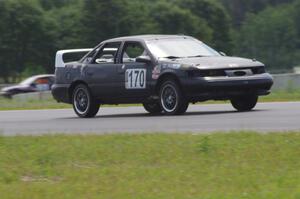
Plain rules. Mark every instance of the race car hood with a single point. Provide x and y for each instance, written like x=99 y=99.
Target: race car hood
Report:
x=216 y=62
x=10 y=88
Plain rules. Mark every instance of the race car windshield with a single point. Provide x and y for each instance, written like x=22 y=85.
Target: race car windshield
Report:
x=180 y=48
x=27 y=81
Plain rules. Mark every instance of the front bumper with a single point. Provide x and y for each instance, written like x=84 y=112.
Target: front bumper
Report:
x=60 y=93
x=219 y=88
x=5 y=94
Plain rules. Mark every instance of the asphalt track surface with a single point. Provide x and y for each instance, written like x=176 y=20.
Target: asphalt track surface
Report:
x=267 y=117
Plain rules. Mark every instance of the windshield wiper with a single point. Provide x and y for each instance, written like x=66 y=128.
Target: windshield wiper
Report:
x=172 y=57
x=196 y=56
x=176 y=57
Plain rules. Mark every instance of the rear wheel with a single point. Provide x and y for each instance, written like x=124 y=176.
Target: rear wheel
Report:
x=153 y=108
x=244 y=103
x=84 y=104
x=172 y=99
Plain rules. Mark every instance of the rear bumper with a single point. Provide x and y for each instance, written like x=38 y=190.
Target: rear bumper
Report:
x=219 y=88
x=60 y=93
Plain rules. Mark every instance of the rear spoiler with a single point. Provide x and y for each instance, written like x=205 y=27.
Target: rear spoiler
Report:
x=59 y=61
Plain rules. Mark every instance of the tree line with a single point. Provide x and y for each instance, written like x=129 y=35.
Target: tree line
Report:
x=31 y=31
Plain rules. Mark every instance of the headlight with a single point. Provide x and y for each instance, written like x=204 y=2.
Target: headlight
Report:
x=259 y=70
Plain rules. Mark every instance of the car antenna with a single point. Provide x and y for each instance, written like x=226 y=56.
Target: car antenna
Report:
x=184 y=36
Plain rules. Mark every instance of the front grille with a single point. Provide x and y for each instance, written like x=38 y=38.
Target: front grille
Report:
x=207 y=73
x=222 y=72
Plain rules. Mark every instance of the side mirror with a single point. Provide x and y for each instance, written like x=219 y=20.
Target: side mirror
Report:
x=143 y=59
x=222 y=53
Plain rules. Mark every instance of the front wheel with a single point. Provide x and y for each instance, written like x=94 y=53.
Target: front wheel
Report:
x=152 y=108
x=84 y=104
x=172 y=99
x=244 y=103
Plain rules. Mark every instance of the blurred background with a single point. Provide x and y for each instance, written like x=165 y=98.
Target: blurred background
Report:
x=31 y=31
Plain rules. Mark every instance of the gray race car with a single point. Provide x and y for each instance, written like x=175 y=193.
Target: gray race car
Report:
x=163 y=72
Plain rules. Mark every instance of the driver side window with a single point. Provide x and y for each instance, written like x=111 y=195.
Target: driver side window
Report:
x=131 y=51
x=41 y=84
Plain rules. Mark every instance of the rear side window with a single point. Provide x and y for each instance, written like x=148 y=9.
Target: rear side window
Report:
x=74 y=56
x=108 y=53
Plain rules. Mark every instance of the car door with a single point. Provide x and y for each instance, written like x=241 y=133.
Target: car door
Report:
x=133 y=75
x=101 y=72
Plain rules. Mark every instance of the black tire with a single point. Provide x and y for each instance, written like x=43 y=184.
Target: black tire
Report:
x=7 y=96
x=244 y=103
x=84 y=104
x=153 y=108
x=172 y=99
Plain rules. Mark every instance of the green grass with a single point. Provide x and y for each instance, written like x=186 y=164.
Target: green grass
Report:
x=151 y=166
x=18 y=104
x=282 y=96
x=30 y=104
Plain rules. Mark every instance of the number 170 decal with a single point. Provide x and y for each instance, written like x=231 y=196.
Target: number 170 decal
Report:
x=135 y=78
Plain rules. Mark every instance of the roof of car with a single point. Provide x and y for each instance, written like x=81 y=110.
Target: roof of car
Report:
x=145 y=38
x=43 y=75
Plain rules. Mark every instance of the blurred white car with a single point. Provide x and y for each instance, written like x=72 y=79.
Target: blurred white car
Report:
x=37 y=83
